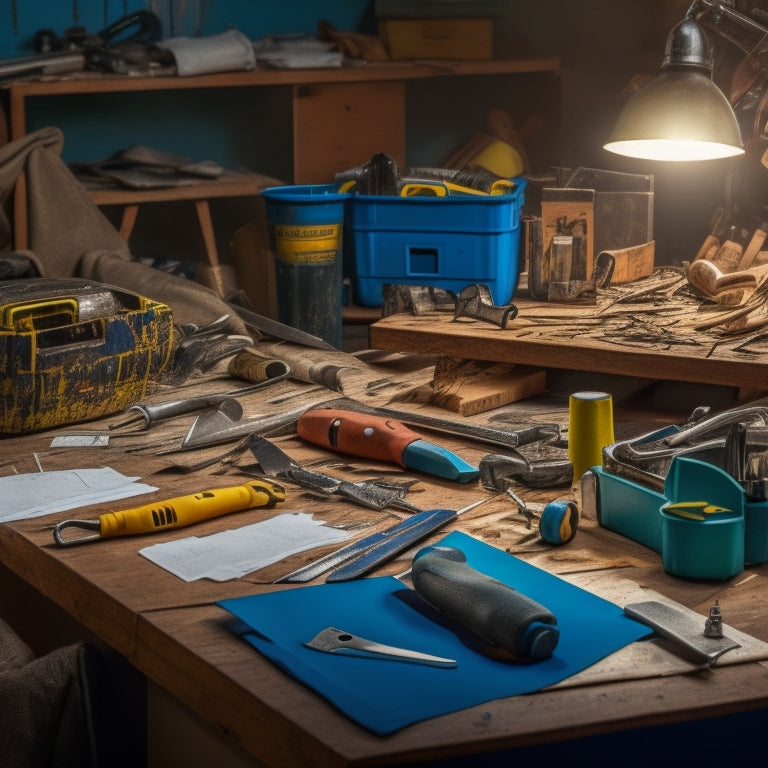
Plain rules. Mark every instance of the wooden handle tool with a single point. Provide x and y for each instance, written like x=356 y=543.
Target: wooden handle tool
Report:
x=255 y=368
x=753 y=247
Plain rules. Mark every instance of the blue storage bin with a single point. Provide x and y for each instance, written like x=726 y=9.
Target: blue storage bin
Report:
x=447 y=242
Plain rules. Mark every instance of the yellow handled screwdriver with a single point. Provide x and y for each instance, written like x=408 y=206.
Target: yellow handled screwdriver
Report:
x=174 y=513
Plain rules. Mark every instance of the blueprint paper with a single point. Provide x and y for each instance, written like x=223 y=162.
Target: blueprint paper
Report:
x=370 y=691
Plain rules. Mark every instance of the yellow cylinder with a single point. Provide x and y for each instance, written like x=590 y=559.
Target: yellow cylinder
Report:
x=590 y=429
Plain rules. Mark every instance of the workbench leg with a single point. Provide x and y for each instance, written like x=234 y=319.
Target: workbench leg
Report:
x=206 y=228
x=130 y=212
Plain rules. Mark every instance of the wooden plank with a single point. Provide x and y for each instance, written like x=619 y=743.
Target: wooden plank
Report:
x=340 y=125
x=174 y=633
x=93 y=82
x=469 y=387
x=526 y=342
x=227 y=185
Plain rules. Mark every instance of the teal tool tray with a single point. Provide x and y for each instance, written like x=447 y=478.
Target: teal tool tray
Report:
x=716 y=548
x=447 y=242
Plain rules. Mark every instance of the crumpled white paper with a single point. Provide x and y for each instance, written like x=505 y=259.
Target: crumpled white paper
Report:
x=234 y=553
x=41 y=493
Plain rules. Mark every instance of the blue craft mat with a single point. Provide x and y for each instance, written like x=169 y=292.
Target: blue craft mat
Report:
x=385 y=696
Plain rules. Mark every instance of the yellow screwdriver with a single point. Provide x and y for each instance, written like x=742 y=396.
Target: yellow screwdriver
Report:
x=176 y=512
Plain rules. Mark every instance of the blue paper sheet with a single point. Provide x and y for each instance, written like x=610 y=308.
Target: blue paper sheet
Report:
x=385 y=696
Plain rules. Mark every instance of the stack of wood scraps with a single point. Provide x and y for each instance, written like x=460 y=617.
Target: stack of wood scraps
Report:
x=730 y=272
x=657 y=327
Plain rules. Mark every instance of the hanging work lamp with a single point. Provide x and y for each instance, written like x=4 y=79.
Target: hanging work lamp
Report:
x=680 y=114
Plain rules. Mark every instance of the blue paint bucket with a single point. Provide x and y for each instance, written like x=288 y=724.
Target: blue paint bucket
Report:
x=305 y=224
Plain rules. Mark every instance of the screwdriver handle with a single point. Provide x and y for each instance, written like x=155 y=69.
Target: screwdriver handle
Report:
x=372 y=437
x=483 y=604
x=189 y=509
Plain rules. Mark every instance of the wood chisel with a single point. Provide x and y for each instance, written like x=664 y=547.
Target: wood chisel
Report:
x=174 y=513
x=382 y=439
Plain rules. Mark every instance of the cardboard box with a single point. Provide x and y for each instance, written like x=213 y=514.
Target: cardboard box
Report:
x=434 y=38
x=602 y=210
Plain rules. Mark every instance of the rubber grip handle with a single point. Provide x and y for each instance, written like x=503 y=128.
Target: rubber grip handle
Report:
x=359 y=434
x=487 y=606
x=186 y=510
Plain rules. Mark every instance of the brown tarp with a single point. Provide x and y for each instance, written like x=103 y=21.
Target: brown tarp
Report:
x=70 y=237
x=44 y=713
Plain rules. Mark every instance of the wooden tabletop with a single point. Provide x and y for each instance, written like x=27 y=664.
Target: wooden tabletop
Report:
x=176 y=635
x=655 y=328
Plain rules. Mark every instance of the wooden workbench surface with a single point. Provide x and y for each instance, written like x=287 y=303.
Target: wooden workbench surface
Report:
x=175 y=634
x=655 y=329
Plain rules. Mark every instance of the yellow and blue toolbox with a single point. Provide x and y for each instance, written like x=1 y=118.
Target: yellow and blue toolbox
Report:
x=72 y=350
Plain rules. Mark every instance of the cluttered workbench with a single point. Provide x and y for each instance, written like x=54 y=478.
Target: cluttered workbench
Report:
x=267 y=701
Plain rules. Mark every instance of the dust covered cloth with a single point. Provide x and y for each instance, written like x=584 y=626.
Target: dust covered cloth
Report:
x=45 y=719
x=70 y=237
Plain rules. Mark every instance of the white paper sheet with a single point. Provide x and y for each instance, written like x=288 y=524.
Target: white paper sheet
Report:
x=234 y=553
x=41 y=493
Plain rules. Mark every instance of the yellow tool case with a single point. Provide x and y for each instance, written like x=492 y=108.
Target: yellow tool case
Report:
x=73 y=350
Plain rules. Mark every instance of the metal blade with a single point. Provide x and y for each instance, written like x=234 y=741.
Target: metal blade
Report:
x=435 y=517
x=332 y=640
x=393 y=545
x=280 y=331
x=217 y=426
x=203 y=432
x=276 y=462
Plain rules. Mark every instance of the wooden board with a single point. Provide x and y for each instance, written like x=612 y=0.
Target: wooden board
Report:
x=337 y=126
x=469 y=387
x=666 y=334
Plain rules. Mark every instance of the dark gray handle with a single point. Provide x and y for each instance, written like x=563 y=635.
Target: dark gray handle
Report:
x=484 y=605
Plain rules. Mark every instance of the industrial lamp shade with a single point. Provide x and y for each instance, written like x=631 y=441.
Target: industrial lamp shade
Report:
x=680 y=114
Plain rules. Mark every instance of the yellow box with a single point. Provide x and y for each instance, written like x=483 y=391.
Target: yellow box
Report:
x=437 y=38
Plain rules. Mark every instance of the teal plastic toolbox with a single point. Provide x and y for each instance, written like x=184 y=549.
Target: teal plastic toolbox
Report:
x=447 y=242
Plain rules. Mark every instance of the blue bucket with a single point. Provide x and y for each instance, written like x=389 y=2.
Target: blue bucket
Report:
x=306 y=225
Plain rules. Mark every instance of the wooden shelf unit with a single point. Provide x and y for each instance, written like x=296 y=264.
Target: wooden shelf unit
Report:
x=339 y=115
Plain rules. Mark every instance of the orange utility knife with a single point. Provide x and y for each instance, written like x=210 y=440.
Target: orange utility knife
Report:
x=381 y=438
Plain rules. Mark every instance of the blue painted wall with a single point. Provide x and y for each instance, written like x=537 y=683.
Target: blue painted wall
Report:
x=190 y=124
x=20 y=19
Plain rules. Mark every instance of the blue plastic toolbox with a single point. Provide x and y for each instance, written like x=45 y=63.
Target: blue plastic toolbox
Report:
x=447 y=242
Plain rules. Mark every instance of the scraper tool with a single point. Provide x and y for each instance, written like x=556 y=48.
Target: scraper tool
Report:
x=332 y=640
